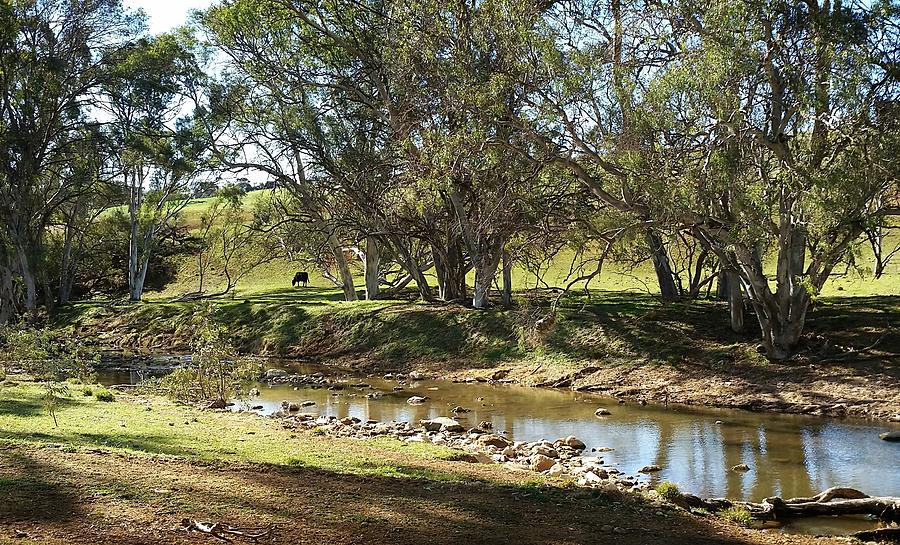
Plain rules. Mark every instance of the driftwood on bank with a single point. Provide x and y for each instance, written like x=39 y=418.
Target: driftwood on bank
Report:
x=832 y=502
x=881 y=535
x=225 y=532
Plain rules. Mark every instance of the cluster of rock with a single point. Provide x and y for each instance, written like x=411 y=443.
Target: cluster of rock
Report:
x=562 y=458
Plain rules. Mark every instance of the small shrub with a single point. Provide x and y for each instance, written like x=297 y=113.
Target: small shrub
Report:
x=737 y=515
x=104 y=395
x=668 y=491
x=87 y=391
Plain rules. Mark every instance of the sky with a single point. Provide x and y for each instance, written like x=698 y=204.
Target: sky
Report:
x=166 y=14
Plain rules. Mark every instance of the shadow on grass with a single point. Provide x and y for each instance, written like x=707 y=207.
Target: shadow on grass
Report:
x=316 y=505
x=33 y=490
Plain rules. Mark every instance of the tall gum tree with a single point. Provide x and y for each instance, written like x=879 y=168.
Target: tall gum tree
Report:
x=759 y=134
x=52 y=60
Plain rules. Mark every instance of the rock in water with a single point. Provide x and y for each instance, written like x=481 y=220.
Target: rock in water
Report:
x=416 y=400
x=602 y=411
x=442 y=423
x=650 y=469
x=893 y=436
x=573 y=442
x=275 y=373
x=741 y=467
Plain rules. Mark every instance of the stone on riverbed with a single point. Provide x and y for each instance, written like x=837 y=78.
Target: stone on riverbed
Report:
x=602 y=411
x=650 y=469
x=276 y=373
x=557 y=470
x=442 y=423
x=492 y=440
x=544 y=450
x=893 y=436
x=416 y=400
x=572 y=442
x=741 y=467
x=539 y=463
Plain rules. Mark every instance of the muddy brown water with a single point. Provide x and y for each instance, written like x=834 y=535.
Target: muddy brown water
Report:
x=696 y=448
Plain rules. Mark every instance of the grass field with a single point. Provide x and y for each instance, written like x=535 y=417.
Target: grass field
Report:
x=276 y=275
x=130 y=470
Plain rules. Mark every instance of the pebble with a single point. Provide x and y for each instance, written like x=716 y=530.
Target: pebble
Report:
x=602 y=411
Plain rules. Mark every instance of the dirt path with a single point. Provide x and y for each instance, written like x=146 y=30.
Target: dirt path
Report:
x=56 y=496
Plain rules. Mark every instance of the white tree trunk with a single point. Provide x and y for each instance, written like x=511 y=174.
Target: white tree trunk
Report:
x=486 y=264
x=343 y=268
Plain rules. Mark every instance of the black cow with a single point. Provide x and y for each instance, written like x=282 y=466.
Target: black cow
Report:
x=301 y=277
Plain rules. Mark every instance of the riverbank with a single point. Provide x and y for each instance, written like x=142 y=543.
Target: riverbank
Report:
x=623 y=344
x=130 y=470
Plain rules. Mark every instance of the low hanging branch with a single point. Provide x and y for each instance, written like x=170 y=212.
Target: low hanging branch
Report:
x=832 y=502
x=225 y=532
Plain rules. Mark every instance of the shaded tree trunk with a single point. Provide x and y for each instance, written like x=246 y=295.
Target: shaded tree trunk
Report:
x=373 y=265
x=506 y=295
x=450 y=267
x=735 y=301
x=660 y=257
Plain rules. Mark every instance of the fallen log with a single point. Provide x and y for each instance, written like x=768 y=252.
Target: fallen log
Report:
x=835 y=501
x=224 y=532
x=881 y=535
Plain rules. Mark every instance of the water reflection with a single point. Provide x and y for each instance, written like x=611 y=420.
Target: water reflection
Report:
x=786 y=455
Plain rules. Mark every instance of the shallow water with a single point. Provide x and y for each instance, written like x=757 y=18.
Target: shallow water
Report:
x=787 y=455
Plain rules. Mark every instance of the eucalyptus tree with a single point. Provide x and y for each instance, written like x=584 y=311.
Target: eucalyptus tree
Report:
x=157 y=156
x=814 y=163
x=52 y=59
x=321 y=114
x=759 y=133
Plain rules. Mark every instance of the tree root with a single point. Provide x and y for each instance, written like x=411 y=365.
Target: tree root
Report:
x=225 y=532
x=832 y=502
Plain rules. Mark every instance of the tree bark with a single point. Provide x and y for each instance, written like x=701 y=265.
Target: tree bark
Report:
x=506 y=296
x=373 y=264
x=450 y=267
x=343 y=268
x=660 y=257
x=735 y=301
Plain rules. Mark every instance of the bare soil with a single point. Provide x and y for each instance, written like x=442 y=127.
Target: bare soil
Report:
x=60 y=496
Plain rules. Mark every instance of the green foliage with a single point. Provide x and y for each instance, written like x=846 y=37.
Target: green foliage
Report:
x=53 y=360
x=87 y=391
x=104 y=395
x=215 y=372
x=668 y=491
x=737 y=515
